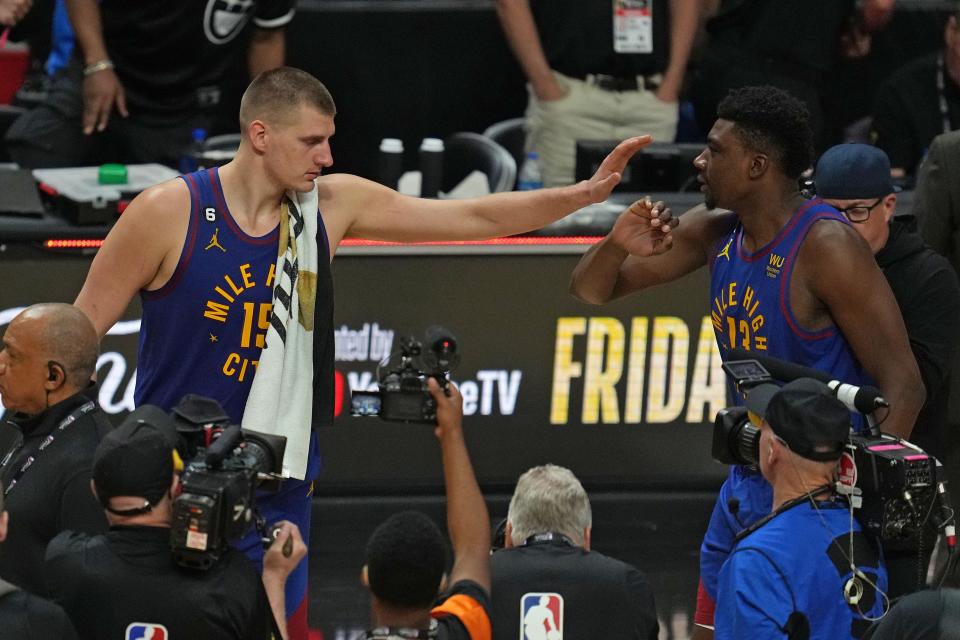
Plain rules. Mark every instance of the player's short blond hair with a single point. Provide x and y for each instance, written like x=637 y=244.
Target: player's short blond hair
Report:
x=274 y=96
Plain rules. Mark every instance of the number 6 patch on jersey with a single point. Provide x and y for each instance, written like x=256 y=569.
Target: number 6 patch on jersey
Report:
x=541 y=616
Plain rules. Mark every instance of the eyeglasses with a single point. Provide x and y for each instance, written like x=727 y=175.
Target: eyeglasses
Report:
x=859 y=213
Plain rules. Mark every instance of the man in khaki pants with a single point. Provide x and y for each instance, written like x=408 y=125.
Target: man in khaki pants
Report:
x=598 y=70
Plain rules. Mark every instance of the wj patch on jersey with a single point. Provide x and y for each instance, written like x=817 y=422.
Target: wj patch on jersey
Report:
x=541 y=616
x=146 y=631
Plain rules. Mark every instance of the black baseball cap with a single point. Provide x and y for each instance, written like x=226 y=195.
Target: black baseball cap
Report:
x=136 y=459
x=805 y=415
x=853 y=171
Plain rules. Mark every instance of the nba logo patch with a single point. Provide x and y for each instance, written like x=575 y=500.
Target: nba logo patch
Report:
x=541 y=616
x=146 y=631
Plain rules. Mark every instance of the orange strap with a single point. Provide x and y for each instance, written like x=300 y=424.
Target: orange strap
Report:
x=468 y=611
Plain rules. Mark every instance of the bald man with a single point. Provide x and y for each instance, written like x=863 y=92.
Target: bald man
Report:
x=47 y=358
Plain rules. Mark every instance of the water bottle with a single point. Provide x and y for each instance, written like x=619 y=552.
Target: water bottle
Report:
x=431 y=167
x=391 y=162
x=190 y=160
x=529 y=177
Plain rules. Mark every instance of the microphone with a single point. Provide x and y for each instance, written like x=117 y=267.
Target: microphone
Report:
x=865 y=399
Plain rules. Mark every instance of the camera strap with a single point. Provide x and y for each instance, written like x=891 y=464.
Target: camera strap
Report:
x=393 y=633
x=75 y=415
x=786 y=506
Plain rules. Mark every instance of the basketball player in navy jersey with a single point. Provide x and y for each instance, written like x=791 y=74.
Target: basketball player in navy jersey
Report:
x=790 y=279
x=200 y=251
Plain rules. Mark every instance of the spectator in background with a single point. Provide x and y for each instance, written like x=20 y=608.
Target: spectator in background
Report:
x=48 y=356
x=596 y=74
x=919 y=102
x=24 y=616
x=143 y=76
x=13 y=11
x=406 y=554
x=547 y=554
x=936 y=206
x=790 y=44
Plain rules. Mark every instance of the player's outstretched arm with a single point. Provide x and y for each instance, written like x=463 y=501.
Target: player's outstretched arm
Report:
x=368 y=210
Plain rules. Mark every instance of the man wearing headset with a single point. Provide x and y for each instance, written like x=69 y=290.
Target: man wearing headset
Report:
x=806 y=570
x=47 y=357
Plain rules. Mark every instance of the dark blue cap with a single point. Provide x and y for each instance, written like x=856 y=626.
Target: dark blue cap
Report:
x=853 y=171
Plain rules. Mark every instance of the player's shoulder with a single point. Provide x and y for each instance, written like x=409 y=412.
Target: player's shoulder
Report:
x=160 y=211
x=829 y=234
x=332 y=185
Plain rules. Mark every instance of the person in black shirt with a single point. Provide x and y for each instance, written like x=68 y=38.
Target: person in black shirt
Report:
x=918 y=102
x=24 y=616
x=144 y=76
x=127 y=579
x=49 y=353
x=598 y=70
x=405 y=555
x=790 y=44
x=547 y=576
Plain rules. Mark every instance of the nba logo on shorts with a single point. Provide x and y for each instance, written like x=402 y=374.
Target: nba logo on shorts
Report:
x=541 y=616
x=146 y=631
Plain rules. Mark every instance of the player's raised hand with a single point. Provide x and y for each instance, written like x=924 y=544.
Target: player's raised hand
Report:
x=609 y=173
x=644 y=228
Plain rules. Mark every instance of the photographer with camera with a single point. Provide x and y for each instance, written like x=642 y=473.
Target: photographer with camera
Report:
x=125 y=582
x=806 y=570
x=405 y=560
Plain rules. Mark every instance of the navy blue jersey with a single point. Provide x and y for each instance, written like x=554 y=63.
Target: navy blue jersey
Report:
x=750 y=300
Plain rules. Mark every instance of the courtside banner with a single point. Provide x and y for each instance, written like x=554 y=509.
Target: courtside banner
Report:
x=624 y=394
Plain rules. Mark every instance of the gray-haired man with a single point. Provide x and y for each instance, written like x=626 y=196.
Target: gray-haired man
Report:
x=548 y=583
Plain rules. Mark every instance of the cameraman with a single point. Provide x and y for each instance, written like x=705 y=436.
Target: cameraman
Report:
x=124 y=580
x=791 y=573
x=406 y=553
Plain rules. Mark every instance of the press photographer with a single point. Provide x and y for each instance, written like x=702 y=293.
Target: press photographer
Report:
x=806 y=570
x=125 y=581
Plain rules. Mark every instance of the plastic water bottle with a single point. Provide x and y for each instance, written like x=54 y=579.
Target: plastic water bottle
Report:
x=530 y=177
x=190 y=160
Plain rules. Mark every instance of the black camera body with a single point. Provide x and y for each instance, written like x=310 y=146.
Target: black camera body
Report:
x=893 y=484
x=403 y=394
x=225 y=466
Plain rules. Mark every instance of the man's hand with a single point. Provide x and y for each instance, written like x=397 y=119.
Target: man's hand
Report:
x=644 y=229
x=608 y=176
x=286 y=552
x=449 y=409
x=549 y=90
x=13 y=11
x=101 y=91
